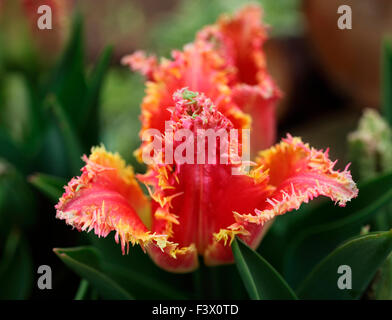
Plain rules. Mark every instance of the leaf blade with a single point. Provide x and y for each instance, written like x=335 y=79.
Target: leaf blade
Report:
x=312 y=244
x=50 y=185
x=261 y=280
x=85 y=261
x=364 y=254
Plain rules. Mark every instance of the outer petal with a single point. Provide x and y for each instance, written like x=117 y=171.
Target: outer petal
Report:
x=299 y=173
x=106 y=197
x=141 y=63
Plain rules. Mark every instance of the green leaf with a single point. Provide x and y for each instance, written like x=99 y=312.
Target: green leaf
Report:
x=261 y=280
x=382 y=285
x=387 y=81
x=82 y=290
x=16 y=268
x=11 y=152
x=138 y=274
x=50 y=185
x=86 y=262
x=89 y=113
x=363 y=254
x=17 y=201
x=312 y=244
x=67 y=81
x=138 y=283
x=73 y=147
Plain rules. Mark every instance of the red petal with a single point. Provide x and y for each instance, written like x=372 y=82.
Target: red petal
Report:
x=299 y=173
x=240 y=40
x=105 y=198
x=260 y=103
x=178 y=260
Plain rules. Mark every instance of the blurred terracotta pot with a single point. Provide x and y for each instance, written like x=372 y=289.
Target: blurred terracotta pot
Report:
x=351 y=58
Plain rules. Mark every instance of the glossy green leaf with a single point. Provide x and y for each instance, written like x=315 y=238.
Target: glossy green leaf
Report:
x=16 y=268
x=82 y=290
x=137 y=272
x=51 y=186
x=261 y=280
x=86 y=262
x=363 y=254
x=382 y=284
x=314 y=243
x=140 y=283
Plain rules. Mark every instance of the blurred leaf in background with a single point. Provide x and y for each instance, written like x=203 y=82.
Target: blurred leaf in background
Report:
x=48 y=119
x=282 y=15
x=363 y=255
x=16 y=268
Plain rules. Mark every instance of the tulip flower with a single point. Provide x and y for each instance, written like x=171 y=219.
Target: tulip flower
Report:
x=226 y=62
x=198 y=208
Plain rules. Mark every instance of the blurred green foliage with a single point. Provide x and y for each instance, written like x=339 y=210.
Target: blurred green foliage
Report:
x=283 y=16
x=47 y=121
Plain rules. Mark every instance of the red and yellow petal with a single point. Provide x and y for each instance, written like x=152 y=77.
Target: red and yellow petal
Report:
x=219 y=251
x=296 y=174
x=175 y=257
x=178 y=260
x=299 y=173
x=105 y=198
x=240 y=39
